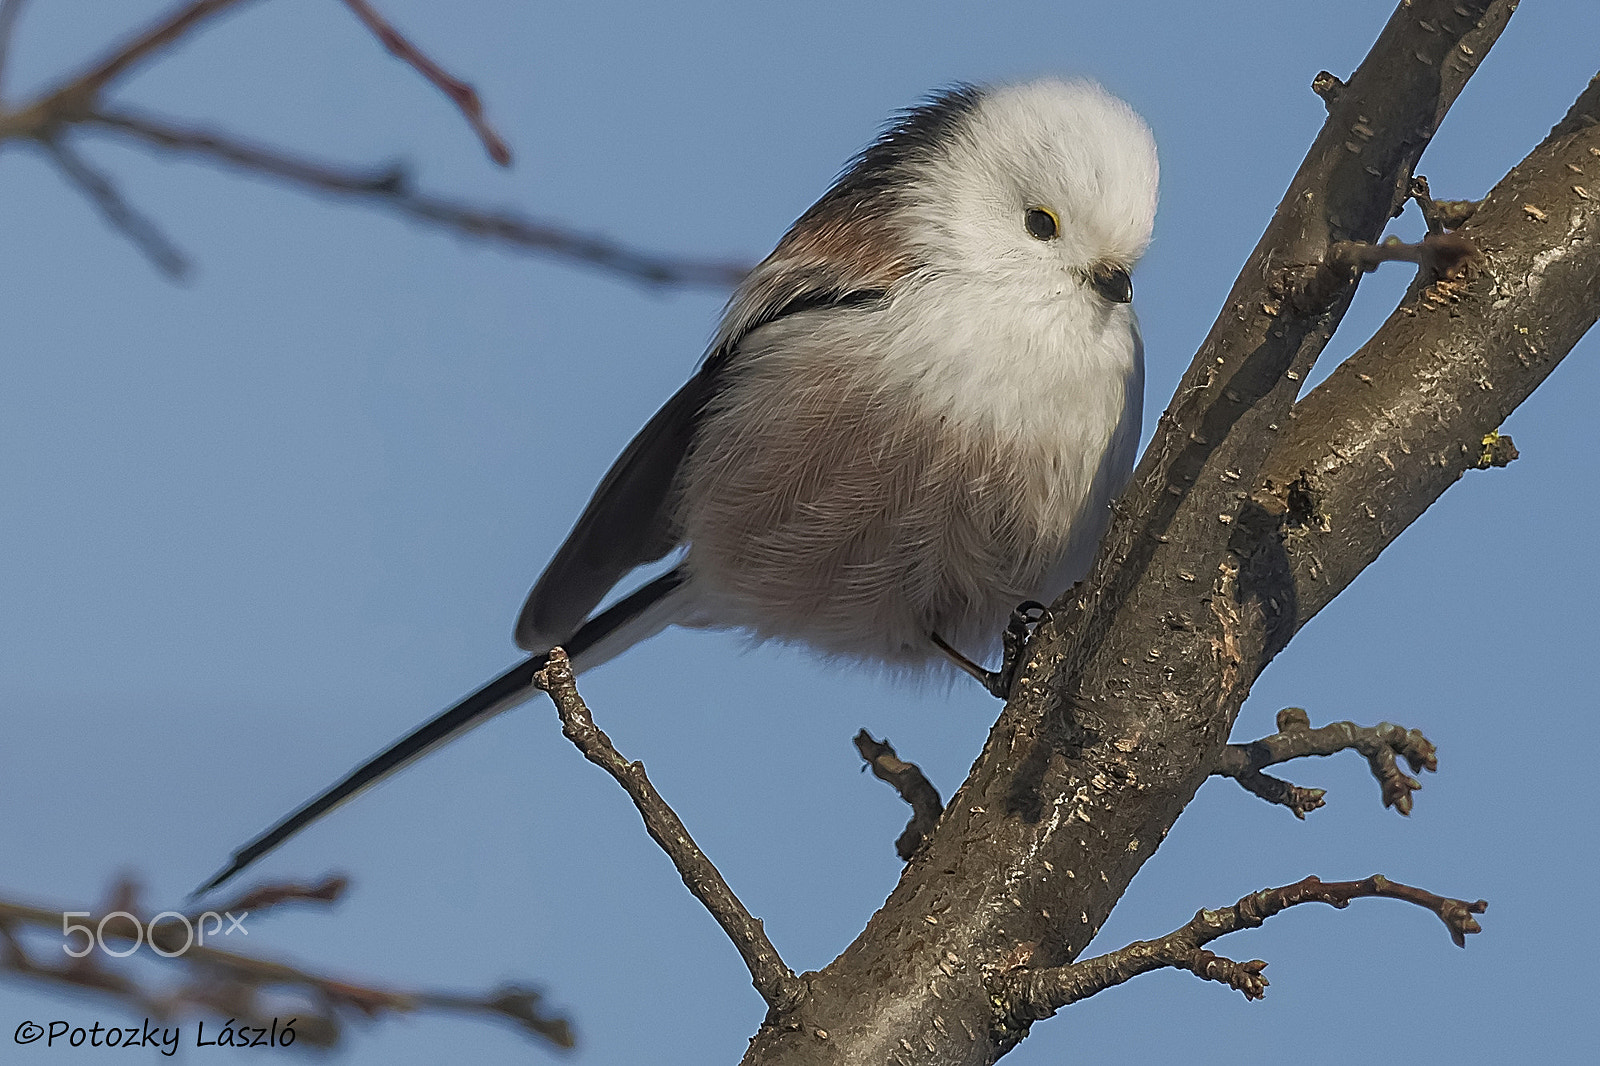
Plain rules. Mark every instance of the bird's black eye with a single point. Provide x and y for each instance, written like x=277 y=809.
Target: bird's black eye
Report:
x=1112 y=282
x=1042 y=223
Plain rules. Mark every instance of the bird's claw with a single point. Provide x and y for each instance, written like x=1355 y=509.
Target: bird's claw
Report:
x=1024 y=620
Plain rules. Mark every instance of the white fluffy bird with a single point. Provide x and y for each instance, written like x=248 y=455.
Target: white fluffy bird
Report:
x=915 y=414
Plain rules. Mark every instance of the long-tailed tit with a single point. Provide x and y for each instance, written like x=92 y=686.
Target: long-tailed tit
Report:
x=915 y=414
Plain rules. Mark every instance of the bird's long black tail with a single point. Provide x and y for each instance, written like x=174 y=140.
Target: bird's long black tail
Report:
x=504 y=692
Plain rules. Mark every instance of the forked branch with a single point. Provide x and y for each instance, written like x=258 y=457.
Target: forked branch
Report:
x=78 y=102
x=1032 y=995
x=1382 y=744
x=180 y=974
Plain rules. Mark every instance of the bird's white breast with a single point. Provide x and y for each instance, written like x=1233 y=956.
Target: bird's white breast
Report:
x=871 y=475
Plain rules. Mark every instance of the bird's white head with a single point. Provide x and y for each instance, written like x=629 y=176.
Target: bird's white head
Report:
x=1042 y=189
x=1035 y=181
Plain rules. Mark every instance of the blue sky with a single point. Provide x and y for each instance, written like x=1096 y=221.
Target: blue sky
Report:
x=259 y=524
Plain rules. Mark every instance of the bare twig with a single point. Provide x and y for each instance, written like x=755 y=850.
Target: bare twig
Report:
x=1440 y=215
x=120 y=214
x=389 y=187
x=244 y=155
x=911 y=783
x=514 y=1003
x=1040 y=993
x=263 y=897
x=1296 y=739
x=1300 y=801
x=77 y=102
x=771 y=977
x=229 y=984
x=464 y=96
x=77 y=95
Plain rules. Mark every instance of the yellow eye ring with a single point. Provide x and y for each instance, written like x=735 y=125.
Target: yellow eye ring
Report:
x=1042 y=223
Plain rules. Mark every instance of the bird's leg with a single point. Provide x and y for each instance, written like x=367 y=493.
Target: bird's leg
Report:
x=1024 y=618
x=967 y=665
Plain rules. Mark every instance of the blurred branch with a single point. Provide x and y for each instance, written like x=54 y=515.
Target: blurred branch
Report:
x=210 y=981
x=273 y=894
x=460 y=93
x=390 y=187
x=118 y=213
x=78 y=102
x=77 y=95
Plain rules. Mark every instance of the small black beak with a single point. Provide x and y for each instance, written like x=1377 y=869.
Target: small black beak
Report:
x=1112 y=282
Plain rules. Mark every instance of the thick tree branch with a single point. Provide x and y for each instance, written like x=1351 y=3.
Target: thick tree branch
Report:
x=1419 y=404
x=911 y=783
x=1288 y=300
x=774 y=980
x=1036 y=994
x=226 y=984
x=1296 y=739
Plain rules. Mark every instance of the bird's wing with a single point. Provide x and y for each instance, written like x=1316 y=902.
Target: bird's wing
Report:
x=630 y=520
x=846 y=249
x=627 y=523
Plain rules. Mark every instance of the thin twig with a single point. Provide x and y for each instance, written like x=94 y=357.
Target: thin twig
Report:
x=1296 y=739
x=78 y=94
x=120 y=214
x=464 y=96
x=517 y=1004
x=389 y=187
x=1038 y=994
x=242 y=154
x=773 y=979
x=264 y=897
x=911 y=783
x=1440 y=215
x=230 y=984
x=77 y=101
x=1275 y=790
x=1422 y=196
